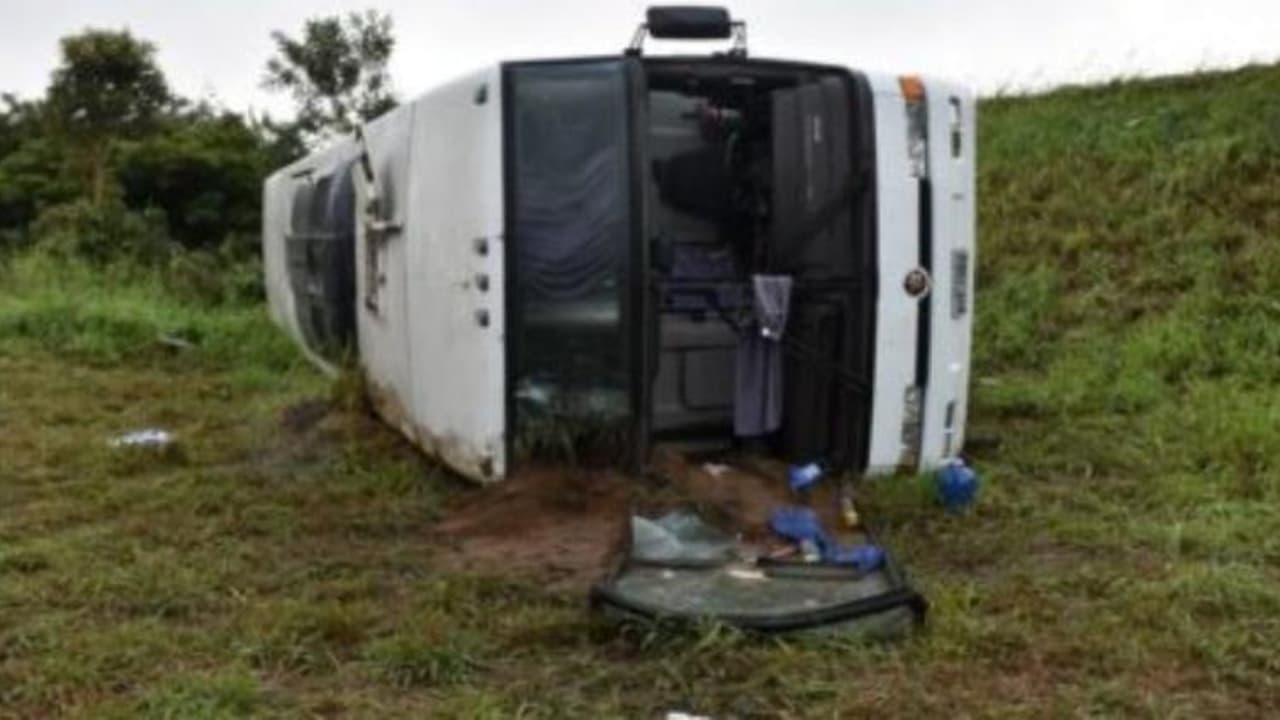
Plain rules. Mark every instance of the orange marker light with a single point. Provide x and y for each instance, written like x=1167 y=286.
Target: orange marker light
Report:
x=912 y=88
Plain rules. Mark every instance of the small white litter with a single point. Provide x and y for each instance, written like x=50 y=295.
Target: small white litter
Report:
x=715 y=469
x=150 y=438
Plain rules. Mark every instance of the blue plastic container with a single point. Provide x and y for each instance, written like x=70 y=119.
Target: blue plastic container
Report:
x=957 y=485
x=803 y=477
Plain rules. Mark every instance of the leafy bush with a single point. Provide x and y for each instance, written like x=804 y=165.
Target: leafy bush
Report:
x=31 y=179
x=204 y=172
x=214 y=278
x=101 y=233
x=109 y=165
x=105 y=312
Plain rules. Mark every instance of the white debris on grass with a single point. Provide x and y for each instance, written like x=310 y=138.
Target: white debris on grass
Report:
x=715 y=469
x=150 y=437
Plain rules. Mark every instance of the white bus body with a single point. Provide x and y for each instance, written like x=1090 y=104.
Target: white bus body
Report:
x=575 y=238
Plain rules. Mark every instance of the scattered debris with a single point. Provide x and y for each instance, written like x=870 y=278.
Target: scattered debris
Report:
x=864 y=558
x=148 y=438
x=689 y=544
x=741 y=498
x=666 y=575
x=803 y=477
x=801 y=525
x=175 y=342
x=810 y=552
x=679 y=537
x=848 y=513
x=715 y=469
x=957 y=485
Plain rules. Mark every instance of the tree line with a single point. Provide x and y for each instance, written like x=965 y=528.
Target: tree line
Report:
x=112 y=164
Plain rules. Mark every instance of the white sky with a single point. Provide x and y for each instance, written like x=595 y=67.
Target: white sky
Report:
x=217 y=48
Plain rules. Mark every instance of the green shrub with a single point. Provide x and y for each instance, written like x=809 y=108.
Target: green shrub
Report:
x=214 y=278
x=107 y=312
x=203 y=171
x=102 y=233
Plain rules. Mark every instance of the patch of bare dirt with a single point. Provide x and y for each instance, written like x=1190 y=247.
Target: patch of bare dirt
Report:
x=740 y=495
x=568 y=527
x=563 y=526
x=315 y=429
x=304 y=415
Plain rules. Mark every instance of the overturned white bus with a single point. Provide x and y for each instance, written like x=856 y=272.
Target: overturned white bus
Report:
x=710 y=249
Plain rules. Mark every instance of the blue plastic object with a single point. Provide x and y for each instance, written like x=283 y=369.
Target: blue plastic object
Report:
x=957 y=485
x=800 y=524
x=803 y=477
x=863 y=557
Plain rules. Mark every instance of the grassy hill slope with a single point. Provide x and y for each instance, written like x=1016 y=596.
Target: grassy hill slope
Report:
x=1124 y=557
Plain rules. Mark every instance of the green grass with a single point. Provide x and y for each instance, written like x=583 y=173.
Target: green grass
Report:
x=1124 y=558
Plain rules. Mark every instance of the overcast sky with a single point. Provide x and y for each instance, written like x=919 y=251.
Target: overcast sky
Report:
x=216 y=48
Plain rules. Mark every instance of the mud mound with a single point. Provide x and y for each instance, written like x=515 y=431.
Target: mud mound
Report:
x=562 y=526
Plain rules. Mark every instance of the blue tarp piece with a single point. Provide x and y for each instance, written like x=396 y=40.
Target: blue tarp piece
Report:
x=800 y=524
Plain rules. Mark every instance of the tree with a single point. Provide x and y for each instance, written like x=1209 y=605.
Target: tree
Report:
x=107 y=87
x=336 y=72
x=20 y=120
x=203 y=169
x=282 y=141
x=31 y=176
x=30 y=181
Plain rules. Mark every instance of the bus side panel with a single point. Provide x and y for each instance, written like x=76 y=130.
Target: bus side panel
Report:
x=276 y=206
x=279 y=192
x=898 y=214
x=456 y=275
x=951 y=168
x=383 y=317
